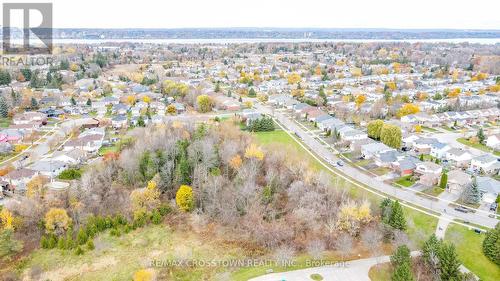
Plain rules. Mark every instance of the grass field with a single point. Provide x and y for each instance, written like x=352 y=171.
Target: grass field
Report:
x=469 y=249
x=117 y=258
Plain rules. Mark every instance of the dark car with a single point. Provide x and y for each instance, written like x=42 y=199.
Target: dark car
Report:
x=462 y=209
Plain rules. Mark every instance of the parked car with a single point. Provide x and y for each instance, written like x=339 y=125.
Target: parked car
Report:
x=340 y=163
x=493 y=207
x=462 y=209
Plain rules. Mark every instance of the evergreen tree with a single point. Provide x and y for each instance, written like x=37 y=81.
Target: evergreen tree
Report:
x=444 y=180
x=480 y=135
x=401 y=260
x=421 y=157
x=386 y=209
x=403 y=273
x=397 y=219
x=140 y=122
x=89 y=102
x=449 y=263
x=5 y=78
x=4 y=108
x=34 y=103
x=252 y=93
x=217 y=87
x=471 y=194
x=491 y=244
x=26 y=73
x=73 y=101
x=430 y=252
x=82 y=237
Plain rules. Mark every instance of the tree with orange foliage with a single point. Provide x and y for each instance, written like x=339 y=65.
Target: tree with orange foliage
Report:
x=359 y=100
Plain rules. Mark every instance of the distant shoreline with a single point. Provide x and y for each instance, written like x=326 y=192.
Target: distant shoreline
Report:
x=224 y=41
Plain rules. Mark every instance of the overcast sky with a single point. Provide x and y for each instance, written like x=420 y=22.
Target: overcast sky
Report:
x=457 y=14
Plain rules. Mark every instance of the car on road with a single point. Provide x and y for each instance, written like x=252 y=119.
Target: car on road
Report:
x=462 y=209
x=340 y=163
x=493 y=207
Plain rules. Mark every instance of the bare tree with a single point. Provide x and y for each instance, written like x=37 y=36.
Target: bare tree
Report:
x=344 y=245
x=316 y=248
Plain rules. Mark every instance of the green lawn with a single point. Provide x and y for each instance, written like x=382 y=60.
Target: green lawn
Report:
x=433 y=191
x=281 y=138
x=477 y=146
x=380 y=171
x=430 y=129
x=469 y=249
x=380 y=272
x=420 y=226
x=5 y=122
x=405 y=181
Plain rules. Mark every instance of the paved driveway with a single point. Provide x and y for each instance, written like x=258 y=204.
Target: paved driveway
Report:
x=356 y=270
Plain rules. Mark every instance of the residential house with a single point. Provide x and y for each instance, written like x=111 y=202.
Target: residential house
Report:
x=439 y=149
x=457 y=181
x=459 y=157
x=49 y=168
x=493 y=141
x=489 y=189
x=18 y=178
x=485 y=163
x=429 y=173
x=372 y=149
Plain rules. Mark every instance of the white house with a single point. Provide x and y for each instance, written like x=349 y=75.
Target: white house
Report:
x=493 y=141
x=486 y=163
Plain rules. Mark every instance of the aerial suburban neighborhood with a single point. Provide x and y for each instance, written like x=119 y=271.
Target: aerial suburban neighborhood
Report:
x=258 y=154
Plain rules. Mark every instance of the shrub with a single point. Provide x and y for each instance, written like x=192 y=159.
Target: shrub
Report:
x=70 y=174
x=82 y=237
x=79 y=251
x=90 y=245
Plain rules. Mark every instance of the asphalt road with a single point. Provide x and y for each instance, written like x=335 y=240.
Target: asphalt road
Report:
x=406 y=196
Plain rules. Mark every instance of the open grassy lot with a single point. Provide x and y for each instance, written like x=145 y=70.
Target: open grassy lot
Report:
x=433 y=191
x=469 y=249
x=117 y=258
x=477 y=146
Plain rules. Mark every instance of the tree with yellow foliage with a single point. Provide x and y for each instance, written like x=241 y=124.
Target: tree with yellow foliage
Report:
x=146 y=99
x=184 y=198
x=407 y=109
x=6 y=219
x=356 y=72
x=352 y=215
x=57 y=221
x=391 y=85
x=130 y=100
x=143 y=275
x=294 y=78
x=235 y=162
x=137 y=77
x=454 y=93
x=254 y=152
x=35 y=188
x=171 y=109
x=145 y=199
x=74 y=67
x=204 y=103
x=418 y=128
x=298 y=93
x=359 y=100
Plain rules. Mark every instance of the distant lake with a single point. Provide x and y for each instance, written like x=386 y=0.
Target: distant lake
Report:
x=488 y=41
